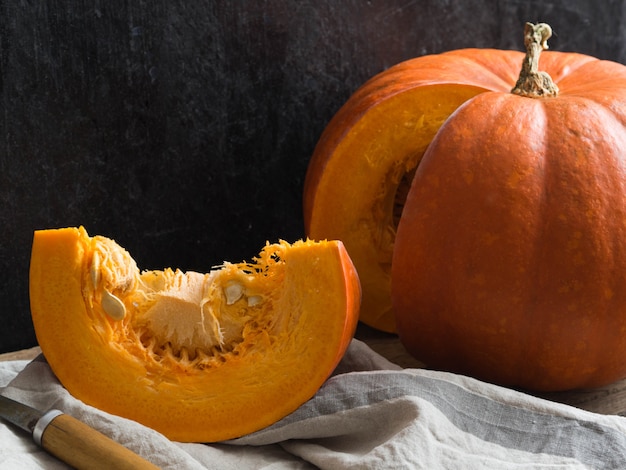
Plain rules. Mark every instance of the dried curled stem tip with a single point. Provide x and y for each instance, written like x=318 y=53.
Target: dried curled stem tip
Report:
x=531 y=82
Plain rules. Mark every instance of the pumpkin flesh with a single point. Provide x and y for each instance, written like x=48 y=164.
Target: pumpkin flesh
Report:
x=510 y=257
x=198 y=357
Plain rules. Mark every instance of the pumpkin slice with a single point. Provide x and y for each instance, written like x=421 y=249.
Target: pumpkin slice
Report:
x=363 y=164
x=198 y=357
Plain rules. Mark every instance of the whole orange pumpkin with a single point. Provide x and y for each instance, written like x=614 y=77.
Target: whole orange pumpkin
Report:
x=509 y=262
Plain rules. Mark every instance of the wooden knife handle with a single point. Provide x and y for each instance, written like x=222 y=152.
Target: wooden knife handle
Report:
x=82 y=447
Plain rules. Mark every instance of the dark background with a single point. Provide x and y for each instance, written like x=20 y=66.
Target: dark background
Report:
x=183 y=129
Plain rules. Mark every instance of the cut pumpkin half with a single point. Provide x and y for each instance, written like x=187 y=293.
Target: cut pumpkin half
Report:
x=197 y=357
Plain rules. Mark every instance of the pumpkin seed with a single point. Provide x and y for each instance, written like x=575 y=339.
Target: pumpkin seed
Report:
x=94 y=269
x=113 y=306
x=233 y=292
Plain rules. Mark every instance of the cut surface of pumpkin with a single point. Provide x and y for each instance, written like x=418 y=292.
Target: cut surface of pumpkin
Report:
x=197 y=357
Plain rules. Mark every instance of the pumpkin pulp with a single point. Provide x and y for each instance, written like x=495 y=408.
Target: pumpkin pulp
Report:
x=198 y=357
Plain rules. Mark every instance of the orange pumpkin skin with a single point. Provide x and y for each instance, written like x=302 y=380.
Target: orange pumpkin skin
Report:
x=510 y=258
x=369 y=150
x=282 y=334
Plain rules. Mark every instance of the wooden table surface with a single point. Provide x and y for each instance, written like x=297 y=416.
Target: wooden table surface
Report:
x=610 y=399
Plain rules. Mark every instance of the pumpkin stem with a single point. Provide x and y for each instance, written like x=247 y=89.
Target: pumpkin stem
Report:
x=531 y=82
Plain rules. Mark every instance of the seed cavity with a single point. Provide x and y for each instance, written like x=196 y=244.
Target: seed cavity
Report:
x=216 y=315
x=112 y=306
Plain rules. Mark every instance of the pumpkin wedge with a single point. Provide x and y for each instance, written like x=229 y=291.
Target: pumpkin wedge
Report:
x=197 y=357
x=364 y=162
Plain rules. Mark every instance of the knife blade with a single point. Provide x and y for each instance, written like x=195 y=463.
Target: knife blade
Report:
x=71 y=440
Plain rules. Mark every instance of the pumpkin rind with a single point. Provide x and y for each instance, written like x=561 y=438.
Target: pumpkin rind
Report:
x=510 y=257
x=280 y=363
x=370 y=149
